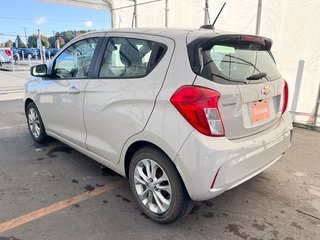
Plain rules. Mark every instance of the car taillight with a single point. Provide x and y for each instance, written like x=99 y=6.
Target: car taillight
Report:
x=8 y=52
x=199 y=106
x=285 y=96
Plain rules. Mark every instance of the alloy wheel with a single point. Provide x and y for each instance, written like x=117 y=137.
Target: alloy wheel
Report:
x=34 y=122
x=152 y=186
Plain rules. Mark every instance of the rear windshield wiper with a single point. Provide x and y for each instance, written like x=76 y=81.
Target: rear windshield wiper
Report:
x=257 y=76
x=229 y=80
x=241 y=59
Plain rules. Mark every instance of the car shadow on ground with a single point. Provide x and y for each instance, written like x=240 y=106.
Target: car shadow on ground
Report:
x=257 y=209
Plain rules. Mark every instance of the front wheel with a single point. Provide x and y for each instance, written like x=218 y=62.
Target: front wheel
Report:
x=35 y=124
x=157 y=186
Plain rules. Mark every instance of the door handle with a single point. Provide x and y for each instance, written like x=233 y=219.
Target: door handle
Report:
x=73 y=90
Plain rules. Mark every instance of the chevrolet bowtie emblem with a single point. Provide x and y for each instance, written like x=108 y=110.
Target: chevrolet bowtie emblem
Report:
x=266 y=90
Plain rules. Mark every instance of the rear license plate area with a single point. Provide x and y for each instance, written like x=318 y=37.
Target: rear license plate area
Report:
x=260 y=111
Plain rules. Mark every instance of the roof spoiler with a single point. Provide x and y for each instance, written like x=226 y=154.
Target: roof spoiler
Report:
x=208 y=43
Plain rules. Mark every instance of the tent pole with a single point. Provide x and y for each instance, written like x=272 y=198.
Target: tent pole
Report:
x=112 y=18
x=110 y=7
x=134 y=16
x=297 y=87
x=166 y=9
x=315 y=116
x=258 y=17
x=206 y=13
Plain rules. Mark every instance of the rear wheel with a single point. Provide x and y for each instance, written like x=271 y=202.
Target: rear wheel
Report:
x=35 y=124
x=157 y=186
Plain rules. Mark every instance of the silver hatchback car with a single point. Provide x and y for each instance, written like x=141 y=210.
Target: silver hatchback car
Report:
x=185 y=115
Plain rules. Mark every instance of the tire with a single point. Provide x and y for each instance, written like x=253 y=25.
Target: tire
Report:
x=35 y=124
x=153 y=193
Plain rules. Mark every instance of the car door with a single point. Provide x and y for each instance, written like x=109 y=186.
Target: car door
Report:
x=61 y=98
x=119 y=101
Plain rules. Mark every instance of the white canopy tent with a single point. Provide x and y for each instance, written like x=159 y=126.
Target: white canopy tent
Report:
x=292 y=24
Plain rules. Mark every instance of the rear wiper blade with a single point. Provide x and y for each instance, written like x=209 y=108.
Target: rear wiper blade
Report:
x=257 y=76
x=236 y=81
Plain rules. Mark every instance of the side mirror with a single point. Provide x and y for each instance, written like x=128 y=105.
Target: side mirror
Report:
x=39 y=70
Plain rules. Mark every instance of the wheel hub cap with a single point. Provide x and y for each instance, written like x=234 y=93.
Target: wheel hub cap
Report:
x=34 y=122
x=152 y=186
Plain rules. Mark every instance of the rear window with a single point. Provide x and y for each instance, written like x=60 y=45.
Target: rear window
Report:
x=236 y=62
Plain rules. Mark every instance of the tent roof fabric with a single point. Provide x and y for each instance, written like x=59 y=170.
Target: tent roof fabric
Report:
x=291 y=24
x=96 y=4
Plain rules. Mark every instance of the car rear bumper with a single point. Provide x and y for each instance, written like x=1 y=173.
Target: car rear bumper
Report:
x=201 y=158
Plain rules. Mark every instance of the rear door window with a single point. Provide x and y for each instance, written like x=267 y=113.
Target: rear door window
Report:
x=130 y=57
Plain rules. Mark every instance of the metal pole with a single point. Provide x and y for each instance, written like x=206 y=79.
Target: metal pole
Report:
x=44 y=53
x=54 y=38
x=18 y=57
x=258 y=17
x=135 y=14
x=29 y=60
x=297 y=87
x=166 y=9
x=112 y=18
x=40 y=45
x=315 y=116
x=206 y=13
x=25 y=36
x=12 y=61
x=110 y=7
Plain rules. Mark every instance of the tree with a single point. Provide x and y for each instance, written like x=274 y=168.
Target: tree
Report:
x=68 y=35
x=32 y=41
x=52 y=41
x=8 y=43
x=61 y=41
x=20 y=43
x=63 y=38
x=44 y=41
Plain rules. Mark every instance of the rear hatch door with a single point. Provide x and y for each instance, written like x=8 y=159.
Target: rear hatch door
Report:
x=242 y=69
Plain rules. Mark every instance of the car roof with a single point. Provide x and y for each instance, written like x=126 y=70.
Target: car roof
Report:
x=166 y=32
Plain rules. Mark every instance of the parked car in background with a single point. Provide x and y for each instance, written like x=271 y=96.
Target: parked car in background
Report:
x=29 y=52
x=37 y=51
x=5 y=55
x=185 y=115
x=50 y=52
x=17 y=51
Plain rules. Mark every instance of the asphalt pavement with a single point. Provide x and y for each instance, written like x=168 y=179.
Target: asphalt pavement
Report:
x=50 y=192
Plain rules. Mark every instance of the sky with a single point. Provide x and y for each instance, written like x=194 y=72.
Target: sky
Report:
x=47 y=17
